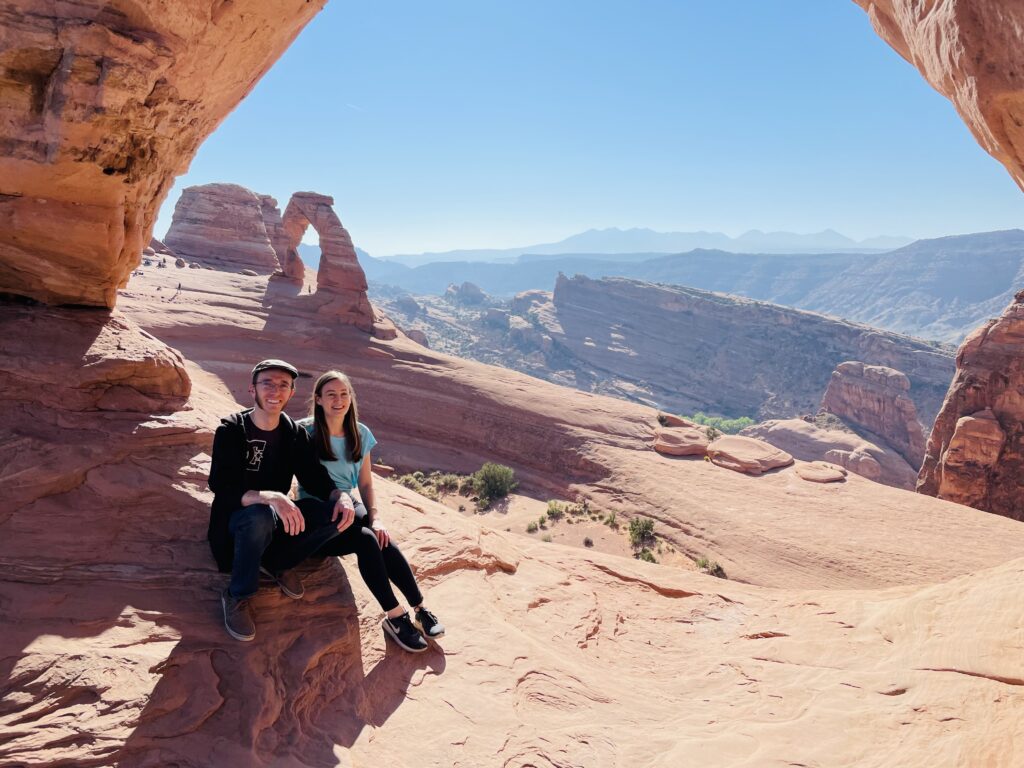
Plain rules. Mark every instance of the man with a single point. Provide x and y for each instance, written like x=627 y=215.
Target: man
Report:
x=254 y=526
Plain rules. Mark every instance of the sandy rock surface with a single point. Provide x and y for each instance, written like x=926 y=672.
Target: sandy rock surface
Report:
x=820 y=472
x=681 y=441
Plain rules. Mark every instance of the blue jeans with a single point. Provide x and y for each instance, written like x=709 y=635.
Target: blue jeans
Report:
x=259 y=539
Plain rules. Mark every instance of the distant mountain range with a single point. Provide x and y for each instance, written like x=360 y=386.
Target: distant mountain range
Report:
x=936 y=289
x=618 y=241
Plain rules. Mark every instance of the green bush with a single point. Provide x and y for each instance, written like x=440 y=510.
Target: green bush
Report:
x=494 y=481
x=531 y=528
x=641 y=532
x=721 y=423
x=555 y=511
x=610 y=520
x=646 y=556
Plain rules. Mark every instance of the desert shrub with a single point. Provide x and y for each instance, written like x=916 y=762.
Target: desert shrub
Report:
x=531 y=528
x=662 y=419
x=419 y=476
x=546 y=537
x=494 y=481
x=446 y=482
x=641 y=532
x=710 y=567
x=646 y=556
x=712 y=433
x=542 y=521
x=588 y=542
x=610 y=520
x=555 y=511
x=721 y=423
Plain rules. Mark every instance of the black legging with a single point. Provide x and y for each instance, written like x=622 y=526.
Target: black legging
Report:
x=378 y=567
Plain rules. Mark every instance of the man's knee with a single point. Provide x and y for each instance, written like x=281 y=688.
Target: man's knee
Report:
x=253 y=524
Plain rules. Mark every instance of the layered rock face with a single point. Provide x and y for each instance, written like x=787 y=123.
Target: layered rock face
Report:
x=101 y=106
x=339 y=274
x=224 y=226
x=975 y=453
x=691 y=350
x=876 y=398
x=970 y=51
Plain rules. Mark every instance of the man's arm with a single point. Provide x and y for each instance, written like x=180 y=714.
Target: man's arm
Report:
x=226 y=467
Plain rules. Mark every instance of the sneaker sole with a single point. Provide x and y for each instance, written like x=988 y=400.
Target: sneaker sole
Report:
x=394 y=636
x=236 y=635
x=285 y=591
x=438 y=636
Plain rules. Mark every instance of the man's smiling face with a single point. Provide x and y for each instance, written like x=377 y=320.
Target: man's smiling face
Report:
x=272 y=391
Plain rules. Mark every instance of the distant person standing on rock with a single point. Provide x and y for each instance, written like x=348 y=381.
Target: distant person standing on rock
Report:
x=343 y=445
x=254 y=527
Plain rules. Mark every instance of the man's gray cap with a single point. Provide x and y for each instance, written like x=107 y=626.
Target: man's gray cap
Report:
x=275 y=364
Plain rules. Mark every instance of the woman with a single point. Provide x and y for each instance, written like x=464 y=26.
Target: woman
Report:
x=343 y=446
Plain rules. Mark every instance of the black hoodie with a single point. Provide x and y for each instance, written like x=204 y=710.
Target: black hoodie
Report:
x=229 y=481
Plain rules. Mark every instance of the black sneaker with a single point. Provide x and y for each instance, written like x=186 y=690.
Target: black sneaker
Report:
x=403 y=632
x=237 y=617
x=431 y=627
x=288 y=581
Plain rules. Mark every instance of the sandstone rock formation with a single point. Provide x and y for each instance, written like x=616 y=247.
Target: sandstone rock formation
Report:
x=681 y=441
x=222 y=226
x=690 y=350
x=339 y=279
x=747 y=454
x=822 y=438
x=875 y=398
x=466 y=293
x=274 y=226
x=970 y=52
x=101 y=106
x=975 y=454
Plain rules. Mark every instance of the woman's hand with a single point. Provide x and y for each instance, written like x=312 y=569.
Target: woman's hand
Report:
x=344 y=512
x=383 y=538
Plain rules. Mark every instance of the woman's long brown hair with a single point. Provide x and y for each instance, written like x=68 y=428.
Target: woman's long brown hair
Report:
x=322 y=433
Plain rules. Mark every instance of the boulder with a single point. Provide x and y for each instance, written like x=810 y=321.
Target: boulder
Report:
x=747 y=454
x=418 y=336
x=681 y=441
x=820 y=472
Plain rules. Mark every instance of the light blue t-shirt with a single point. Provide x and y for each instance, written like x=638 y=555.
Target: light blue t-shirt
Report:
x=343 y=472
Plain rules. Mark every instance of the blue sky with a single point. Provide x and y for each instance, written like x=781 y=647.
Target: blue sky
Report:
x=458 y=124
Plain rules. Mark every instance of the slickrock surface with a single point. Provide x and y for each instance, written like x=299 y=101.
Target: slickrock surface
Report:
x=875 y=398
x=340 y=281
x=432 y=411
x=975 y=452
x=691 y=350
x=101 y=106
x=834 y=442
x=223 y=226
x=970 y=51
x=747 y=454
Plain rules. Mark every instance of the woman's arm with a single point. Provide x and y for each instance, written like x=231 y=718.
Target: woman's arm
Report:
x=366 y=493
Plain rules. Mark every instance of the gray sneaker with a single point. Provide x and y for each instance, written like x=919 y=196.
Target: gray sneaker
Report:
x=288 y=581
x=237 y=617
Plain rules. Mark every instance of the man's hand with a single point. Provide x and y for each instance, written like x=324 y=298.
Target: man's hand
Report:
x=289 y=515
x=344 y=512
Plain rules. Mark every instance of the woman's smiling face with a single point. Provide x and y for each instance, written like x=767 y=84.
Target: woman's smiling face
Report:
x=334 y=398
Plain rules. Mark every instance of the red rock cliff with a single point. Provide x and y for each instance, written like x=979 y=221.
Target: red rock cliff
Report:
x=101 y=106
